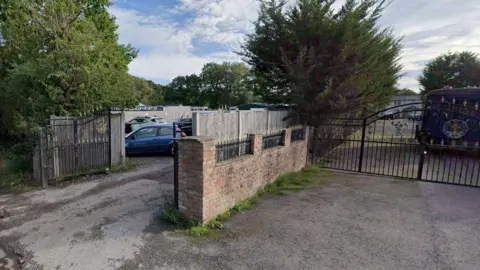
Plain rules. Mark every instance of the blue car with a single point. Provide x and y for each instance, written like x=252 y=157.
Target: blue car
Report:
x=152 y=139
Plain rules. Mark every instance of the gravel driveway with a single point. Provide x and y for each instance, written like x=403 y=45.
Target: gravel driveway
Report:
x=350 y=221
x=88 y=225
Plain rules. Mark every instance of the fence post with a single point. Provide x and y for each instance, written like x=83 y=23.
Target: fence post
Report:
x=268 y=123
x=362 y=145
x=239 y=124
x=175 y=175
x=53 y=144
x=195 y=124
x=255 y=143
x=75 y=143
x=42 y=161
x=109 y=137
x=312 y=145
x=122 y=138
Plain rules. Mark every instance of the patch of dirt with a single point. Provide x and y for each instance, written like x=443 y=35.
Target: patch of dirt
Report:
x=13 y=255
x=4 y=214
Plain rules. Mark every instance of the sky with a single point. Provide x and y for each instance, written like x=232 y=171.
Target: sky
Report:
x=177 y=37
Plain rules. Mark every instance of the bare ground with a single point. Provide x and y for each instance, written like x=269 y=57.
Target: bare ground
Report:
x=89 y=225
x=349 y=221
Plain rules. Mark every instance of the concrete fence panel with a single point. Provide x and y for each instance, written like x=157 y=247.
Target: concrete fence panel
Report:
x=238 y=124
x=218 y=125
x=170 y=116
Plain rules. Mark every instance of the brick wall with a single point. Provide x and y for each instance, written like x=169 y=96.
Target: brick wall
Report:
x=207 y=188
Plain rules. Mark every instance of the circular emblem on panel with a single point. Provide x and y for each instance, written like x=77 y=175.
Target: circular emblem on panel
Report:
x=455 y=129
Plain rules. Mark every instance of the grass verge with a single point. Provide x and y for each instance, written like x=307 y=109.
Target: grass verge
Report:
x=129 y=165
x=17 y=181
x=283 y=185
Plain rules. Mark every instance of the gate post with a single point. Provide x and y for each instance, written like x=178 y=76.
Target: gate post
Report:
x=75 y=144
x=312 y=145
x=109 y=111
x=175 y=174
x=43 y=177
x=362 y=145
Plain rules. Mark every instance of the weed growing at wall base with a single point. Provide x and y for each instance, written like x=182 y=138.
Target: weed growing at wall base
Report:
x=129 y=165
x=285 y=184
x=183 y=225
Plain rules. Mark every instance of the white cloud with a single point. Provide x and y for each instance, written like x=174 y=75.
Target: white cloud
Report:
x=150 y=32
x=429 y=29
x=222 y=21
x=162 y=66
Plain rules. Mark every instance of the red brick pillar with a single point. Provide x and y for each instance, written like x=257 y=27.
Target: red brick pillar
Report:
x=196 y=160
x=256 y=141
x=287 y=133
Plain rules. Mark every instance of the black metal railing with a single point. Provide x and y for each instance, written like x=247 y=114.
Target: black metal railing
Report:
x=231 y=149
x=403 y=148
x=297 y=135
x=273 y=140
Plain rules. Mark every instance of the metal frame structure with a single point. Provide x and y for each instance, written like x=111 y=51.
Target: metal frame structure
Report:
x=404 y=148
x=72 y=146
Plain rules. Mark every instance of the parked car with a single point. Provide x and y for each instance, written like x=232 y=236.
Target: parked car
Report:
x=140 y=121
x=185 y=124
x=387 y=117
x=147 y=119
x=129 y=127
x=415 y=116
x=151 y=139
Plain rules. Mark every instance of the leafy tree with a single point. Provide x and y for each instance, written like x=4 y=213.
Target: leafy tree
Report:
x=147 y=92
x=216 y=86
x=227 y=84
x=143 y=90
x=158 y=93
x=459 y=69
x=185 y=90
x=59 y=57
x=324 y=60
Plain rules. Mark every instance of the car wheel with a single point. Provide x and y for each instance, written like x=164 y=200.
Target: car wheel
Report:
x=171 y=150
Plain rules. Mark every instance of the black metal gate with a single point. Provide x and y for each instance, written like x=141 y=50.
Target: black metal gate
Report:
x=436 y=143
x=71 y=146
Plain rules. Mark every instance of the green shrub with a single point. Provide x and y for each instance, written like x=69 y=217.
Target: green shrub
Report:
x=16 y=164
